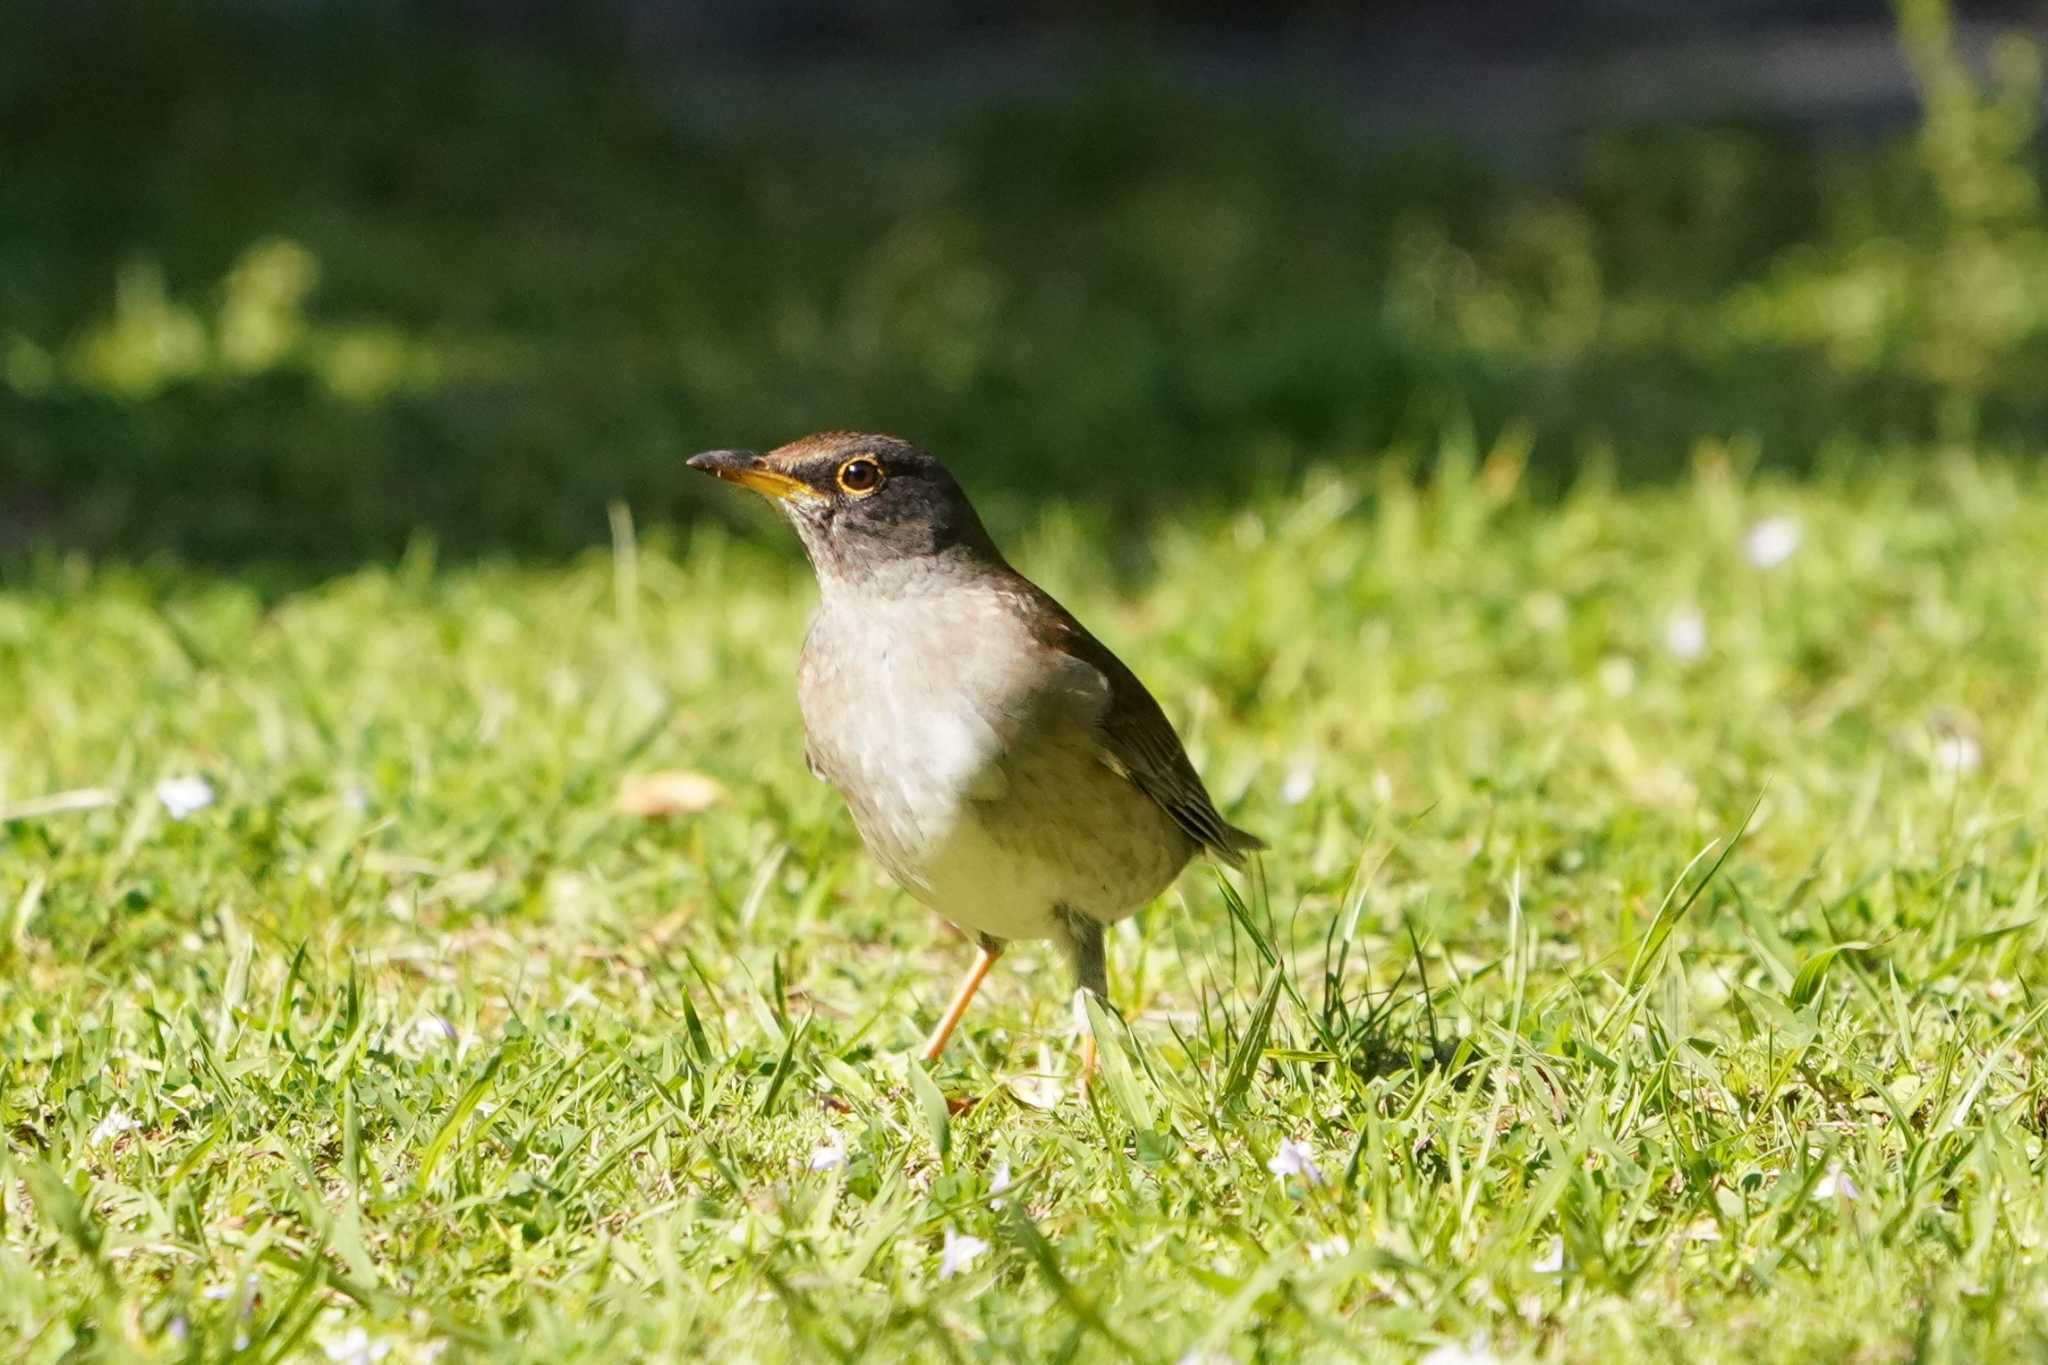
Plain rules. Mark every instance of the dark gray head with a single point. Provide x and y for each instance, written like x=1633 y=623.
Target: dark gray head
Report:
x=868 y=508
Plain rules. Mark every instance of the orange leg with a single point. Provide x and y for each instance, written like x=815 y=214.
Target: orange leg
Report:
x=984 y=958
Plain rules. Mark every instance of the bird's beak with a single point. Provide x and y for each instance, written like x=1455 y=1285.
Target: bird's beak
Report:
x=748 y=470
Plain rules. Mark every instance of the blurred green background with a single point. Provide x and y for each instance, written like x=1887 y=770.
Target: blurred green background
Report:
x=290 y=285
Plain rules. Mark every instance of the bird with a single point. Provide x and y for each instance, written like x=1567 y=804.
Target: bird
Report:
x=1002 y=765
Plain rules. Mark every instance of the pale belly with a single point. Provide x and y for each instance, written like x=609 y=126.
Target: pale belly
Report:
x=996 y=811
x=1068 y=832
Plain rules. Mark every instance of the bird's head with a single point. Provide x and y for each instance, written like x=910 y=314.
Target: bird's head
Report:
x=868 y=508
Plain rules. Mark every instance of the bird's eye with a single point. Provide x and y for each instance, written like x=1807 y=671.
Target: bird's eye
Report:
x=860 y=476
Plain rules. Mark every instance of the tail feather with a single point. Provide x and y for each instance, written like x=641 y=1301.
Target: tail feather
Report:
x=1235 y=844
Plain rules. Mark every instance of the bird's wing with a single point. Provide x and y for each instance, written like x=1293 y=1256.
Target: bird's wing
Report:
x=1136 y=739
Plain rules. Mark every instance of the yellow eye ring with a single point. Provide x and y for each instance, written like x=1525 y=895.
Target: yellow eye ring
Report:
x=859 y=477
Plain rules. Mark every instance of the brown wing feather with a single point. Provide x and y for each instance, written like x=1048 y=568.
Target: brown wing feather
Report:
x=1136 y=736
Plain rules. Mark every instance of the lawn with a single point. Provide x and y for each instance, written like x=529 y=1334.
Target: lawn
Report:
x=1617 y=597
x=1646 y=962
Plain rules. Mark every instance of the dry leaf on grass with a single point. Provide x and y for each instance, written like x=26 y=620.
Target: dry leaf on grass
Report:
x=678 y=792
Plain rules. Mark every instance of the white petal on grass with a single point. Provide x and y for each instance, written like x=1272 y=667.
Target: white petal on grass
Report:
x=429 y=1034
x=960 y=1251
x=217 y=1293
x=356 y=1347
x=1295 y=1159
x=1472 y=1351
x=999 y=1182
x=1685 y=635
x=184 y=796
x=1038 y=1090
x=1298 y=784
x=829 y=1155
x=1836 y=1184
x=433 y=1030
x=112 y=1126
x=1956 y=755
x=1552 y=1259
x=1329 y=1248
x=1771 y=542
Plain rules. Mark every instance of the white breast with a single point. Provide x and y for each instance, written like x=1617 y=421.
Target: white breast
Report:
x=977 y=782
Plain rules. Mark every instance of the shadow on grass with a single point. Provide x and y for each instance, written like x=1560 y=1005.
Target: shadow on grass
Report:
x=255 y=318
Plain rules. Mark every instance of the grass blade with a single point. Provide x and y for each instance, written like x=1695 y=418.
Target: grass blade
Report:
x=1244 y=1064
x=444 y=1136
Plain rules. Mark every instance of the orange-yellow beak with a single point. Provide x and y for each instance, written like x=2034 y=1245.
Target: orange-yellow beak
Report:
x=747 y=469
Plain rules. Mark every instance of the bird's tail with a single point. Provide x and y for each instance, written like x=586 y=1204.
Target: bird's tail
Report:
x=1235 y=843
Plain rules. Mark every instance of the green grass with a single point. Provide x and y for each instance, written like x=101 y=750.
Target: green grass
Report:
x=1647 y=960
x=419 y=1035
x=249 y=317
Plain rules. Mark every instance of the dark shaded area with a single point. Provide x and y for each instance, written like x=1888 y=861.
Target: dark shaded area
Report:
x=526 y=268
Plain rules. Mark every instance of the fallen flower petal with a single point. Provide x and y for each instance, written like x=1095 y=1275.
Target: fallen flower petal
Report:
x=829 y=1155
x=184 y=796
x=356 y=1347
x=111 y=1127
x=1295 y=1159
x=1685 y=635
x=1474 y=1351
x=959 y=1252
x=1836 y=1184
x=1771 y=542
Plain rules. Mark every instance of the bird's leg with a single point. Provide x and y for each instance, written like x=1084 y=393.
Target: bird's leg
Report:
x=985 y=957
x=1091 y=973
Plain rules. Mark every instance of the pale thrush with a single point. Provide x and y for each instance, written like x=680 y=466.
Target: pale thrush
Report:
x=1004 y=766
